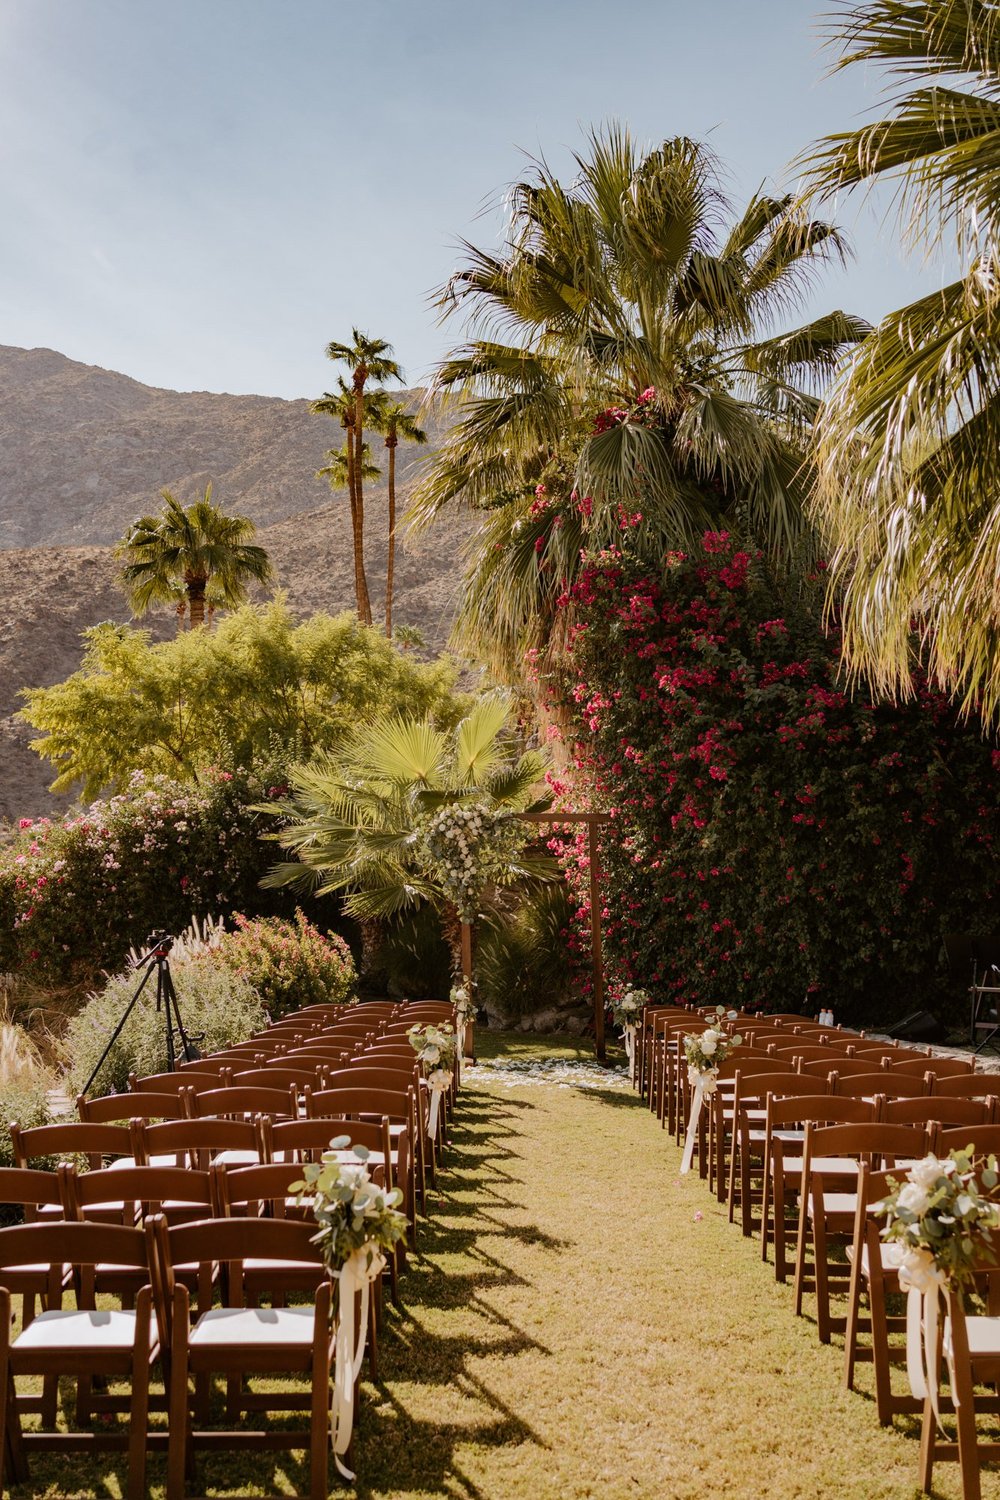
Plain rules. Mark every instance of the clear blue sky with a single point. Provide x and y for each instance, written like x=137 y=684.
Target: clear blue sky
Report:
x=202 y=194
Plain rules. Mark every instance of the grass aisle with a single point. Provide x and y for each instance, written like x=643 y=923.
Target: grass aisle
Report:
x=581 y=1323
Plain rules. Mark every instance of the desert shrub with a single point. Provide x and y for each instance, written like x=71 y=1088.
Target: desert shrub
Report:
x=288 y=964
x=217 y=1006
x=86 y=888
x=777 y=840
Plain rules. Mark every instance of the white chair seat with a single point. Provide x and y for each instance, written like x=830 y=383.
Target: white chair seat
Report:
x=778 y=1135
x=889 y=1255
x=250 y=1326
x=842 y=1166
x=164 y=1159
x=837 y=1203
x=983 y=1335
x=237 y=1157
x=254 y=1263
x=83 y=1330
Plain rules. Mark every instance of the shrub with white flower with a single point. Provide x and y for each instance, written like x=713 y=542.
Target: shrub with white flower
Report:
x=626 y=1010
x=942 y=1218
x=468 y=846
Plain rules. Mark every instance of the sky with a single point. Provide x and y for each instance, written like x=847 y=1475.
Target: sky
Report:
x=203 y=194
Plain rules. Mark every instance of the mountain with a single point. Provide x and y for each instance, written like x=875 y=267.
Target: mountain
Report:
x=85 y=450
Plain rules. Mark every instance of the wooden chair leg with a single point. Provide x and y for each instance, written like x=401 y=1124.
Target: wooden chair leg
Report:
x=928 y=1435
x=139 y=1407
x=179 y=1422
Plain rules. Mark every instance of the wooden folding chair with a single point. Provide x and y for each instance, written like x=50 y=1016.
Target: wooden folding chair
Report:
x=967 y=1086
x=872 y=1085
x=196 y=1143
x=747 y=1158
x=783 y=1159
x=940 y=1067
x=246 y=1103
x=399 y=1106
x=828 y=1203
x=874 y=1275
x=86 y=1343
x=133 y=1106
x=970 y=1347
x=934 y=1108
x=70 y=1138
x=191 y=1077
x=281 y=1073
x=238 y=1341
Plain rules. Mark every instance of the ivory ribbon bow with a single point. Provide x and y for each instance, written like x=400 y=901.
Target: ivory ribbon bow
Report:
x=630 y=1049
x=702 y=1083
x=356 y=1275
x=922 y=1282
x=438 y=1082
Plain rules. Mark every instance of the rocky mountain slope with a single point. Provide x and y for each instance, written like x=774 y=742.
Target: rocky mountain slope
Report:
x=84 y=450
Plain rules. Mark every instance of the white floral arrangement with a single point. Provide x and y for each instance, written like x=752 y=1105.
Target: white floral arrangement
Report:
x=627 y=1009
x=435 y=1046
x=941 y=1220
x=352 y=1212
x=466 y=847
x=462 y=1000
x=707 y=1050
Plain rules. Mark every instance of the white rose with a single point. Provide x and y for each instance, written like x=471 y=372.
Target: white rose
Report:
x=914 y=1198
x=708 y=1044
x=918 y=1271
x=431 y=1053
x=924 y=1174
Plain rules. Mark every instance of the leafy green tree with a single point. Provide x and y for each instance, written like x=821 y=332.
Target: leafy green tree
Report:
x=625 y=353
x=909 y=483
x=394 y=421
x=190 y=553
x=258 y=685
x=359 y=822
x=339 y=471
x=367 y=359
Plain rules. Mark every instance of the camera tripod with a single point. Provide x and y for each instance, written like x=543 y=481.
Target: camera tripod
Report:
x=179 y=1043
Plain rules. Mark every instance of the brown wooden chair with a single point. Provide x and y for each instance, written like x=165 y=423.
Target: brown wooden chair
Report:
x=87 y=1343
x=967 y=1086
x=246 y=1103
x=783 y=1179
x=828 y=1204
x=873 y=1275
x=984 y=1140
x=239 y=1341
x=940 y=1067
x=971 y=1350
x=842 y=1065
x=889 y=1085
x=936 y=1108
x=70 y=1138
x=281 y=1073
x=132 y=1106
x=196 y=1143
x=747 y=1161
x=400 y=1108
x=191 y=1077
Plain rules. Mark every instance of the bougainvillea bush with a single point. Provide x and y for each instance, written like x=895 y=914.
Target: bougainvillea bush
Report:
x=778 y=841
x=288 y=964
x=77 y=892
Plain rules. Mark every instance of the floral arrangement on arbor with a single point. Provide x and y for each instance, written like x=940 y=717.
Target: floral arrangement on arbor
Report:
x=436 y=1049
x=467 y=846
x=705 y=1052
x=940 y=1222
x=357 y=1221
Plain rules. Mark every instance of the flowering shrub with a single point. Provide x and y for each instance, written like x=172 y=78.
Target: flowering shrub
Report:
x=82 y=890
x=217 y=1006
x=288 y=964
x=468 y=845
x=777 y=842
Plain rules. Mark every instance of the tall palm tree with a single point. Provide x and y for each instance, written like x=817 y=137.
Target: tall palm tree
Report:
x=367 y=359
x=910 y=489
x=339 y=470
x=189 y=553
x=394 y=421
x=625 y=348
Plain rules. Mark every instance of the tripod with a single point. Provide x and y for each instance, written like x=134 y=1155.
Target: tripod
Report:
x=156 y=961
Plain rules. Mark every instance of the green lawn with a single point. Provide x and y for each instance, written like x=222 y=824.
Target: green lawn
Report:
x=580 y=1323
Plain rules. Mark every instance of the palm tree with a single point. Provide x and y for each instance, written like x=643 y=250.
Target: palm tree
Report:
x=625 y=348
x=909 y=489
x=190 y=553
x=394 y=421
x=357 y=821
x=339 y=470
x=367 y=359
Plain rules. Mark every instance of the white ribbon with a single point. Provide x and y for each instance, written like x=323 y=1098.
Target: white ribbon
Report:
x=922 y=1282
x=702 y=1083
x=438 y=1082
x=355 y=1276
x=630 y=1049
